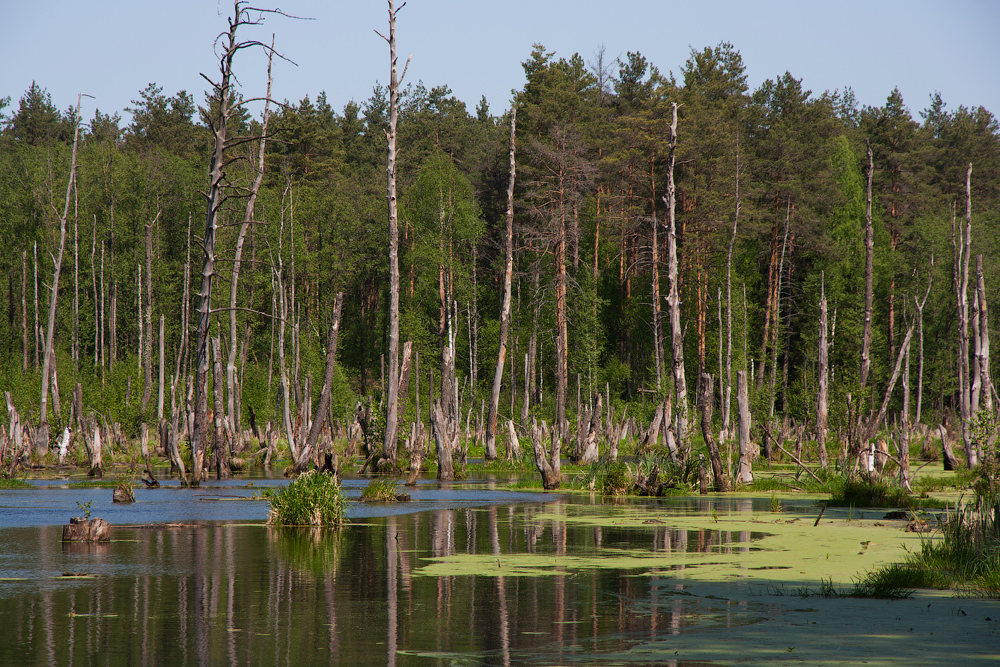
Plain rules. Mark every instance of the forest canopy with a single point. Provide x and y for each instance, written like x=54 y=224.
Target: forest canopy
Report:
x=771 y=204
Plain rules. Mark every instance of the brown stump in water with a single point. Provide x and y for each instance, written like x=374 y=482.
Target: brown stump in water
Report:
x=80 y=529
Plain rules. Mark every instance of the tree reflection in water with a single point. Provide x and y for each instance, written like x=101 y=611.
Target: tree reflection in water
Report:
x=213 y=594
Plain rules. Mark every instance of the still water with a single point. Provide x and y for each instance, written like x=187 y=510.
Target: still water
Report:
x=175 y=589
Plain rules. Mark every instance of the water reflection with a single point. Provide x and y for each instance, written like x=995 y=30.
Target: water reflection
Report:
x=216 y=594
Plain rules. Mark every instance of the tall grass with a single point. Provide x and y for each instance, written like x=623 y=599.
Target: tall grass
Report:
x=312 y=499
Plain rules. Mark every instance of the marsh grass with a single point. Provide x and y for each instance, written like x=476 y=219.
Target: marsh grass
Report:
x=14 y=483
x=966 y=557
x=380 y=489
x=311 y=499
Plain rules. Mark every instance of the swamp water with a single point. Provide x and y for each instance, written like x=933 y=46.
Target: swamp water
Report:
x=464 y=575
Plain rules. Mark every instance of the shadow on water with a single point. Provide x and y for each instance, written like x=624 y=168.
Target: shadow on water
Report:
x=549 y=581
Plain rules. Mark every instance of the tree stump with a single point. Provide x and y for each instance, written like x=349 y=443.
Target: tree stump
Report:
x=81 y=529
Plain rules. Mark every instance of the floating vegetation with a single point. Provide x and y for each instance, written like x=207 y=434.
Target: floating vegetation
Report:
x=312 y=499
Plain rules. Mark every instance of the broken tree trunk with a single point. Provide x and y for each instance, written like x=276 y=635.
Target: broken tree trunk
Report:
x=744 y=474
x=705 y=401
x=550 y=475
x=590 y=452
x=445 y=432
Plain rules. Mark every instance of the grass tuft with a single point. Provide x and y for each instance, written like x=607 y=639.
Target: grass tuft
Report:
x=312 y=499
x=380 y=489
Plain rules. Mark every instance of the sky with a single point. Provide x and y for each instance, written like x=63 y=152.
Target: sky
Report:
x=112 y=49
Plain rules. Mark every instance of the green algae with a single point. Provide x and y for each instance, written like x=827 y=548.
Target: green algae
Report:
x=731 y=546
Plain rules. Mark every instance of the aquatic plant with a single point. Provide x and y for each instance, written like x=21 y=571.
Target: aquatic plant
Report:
x=312 y=499
x=380 y=489
x=966 y=557
x=13 y=483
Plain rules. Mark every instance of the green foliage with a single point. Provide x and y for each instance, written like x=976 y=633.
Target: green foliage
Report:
x=85 y=508
x=311 y=499
x=14 y=483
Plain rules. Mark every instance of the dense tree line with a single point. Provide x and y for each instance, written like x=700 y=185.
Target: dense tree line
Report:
x=771 y=205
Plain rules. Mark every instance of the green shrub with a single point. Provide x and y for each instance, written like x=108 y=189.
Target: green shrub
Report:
x=312 y=499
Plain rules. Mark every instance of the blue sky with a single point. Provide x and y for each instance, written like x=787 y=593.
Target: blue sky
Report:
x=112 y=49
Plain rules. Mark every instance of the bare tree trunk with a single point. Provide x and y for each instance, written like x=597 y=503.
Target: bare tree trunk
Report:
x=491 y=419
x=904 y=430
x=872 y=427
x=658 y=350
x=705 y=400
x=286 y=413
x=76 y=278
x=963 y=250
x=866 y=336
x=24 y=308
x=550 y=474
x=822 y=400
x=391 y=418
x=42 y=437
x=673 y=295
x=985 y=380
x=446 y=437
x=233 y=406
x=159 y=400
x=729 y=299
x=219 y=126
x=744 y=474
x=219 y=448
x=147 y=342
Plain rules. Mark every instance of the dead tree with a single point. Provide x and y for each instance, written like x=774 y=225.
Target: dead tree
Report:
x=705 y=400
x=866 y=336
x=744 y=474
x=673 y=294
x=962 y=247
x=589 y=451
x=147 y=317
x=391 y=418
x=547 y=467
x=42 y=437
x=505 y=309
x=822 y=398
x=248 y=219
x=218 y=123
